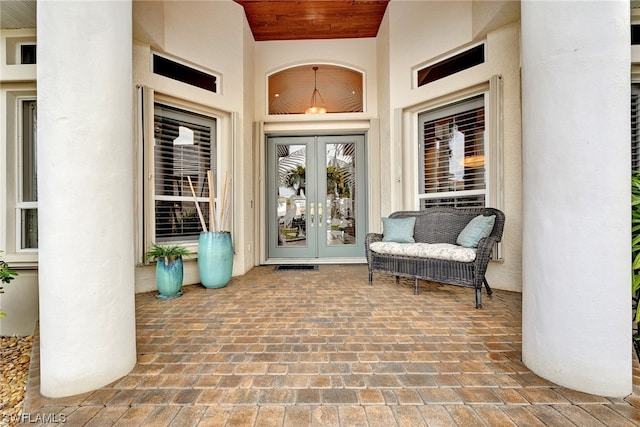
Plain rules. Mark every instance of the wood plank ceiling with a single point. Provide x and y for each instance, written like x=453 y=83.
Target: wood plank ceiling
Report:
x=313 y=19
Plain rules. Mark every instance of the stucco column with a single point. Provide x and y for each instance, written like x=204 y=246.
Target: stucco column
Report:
x=576 y=327
x=85 y=185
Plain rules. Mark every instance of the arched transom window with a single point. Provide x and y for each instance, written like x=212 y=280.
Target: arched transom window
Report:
x=315 y=88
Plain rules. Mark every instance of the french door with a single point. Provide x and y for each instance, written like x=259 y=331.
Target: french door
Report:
x=315 y=196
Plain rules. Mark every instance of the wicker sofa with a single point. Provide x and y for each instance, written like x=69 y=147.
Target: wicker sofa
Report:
x=435 y=226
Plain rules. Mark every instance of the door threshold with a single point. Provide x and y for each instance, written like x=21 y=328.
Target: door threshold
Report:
x=299 y=261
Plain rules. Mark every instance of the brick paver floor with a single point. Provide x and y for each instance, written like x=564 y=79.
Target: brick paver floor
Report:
x=324 y=348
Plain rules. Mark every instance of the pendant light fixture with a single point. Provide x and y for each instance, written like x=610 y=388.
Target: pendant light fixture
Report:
x=314 y=109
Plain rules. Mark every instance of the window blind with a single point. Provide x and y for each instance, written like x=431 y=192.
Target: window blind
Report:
x=184 y=148
x=452 y=155
x=635 y=127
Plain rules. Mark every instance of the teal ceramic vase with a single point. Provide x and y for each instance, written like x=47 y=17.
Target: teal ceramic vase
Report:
x=169 y=278
x=215 y=258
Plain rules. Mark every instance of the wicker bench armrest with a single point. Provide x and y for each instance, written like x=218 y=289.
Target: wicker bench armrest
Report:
x=370 y=238
x=483 y=254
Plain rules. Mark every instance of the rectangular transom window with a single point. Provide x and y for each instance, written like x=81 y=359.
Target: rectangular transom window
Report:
x=454 y=64
x=27 y=53
x=185 y=74
x=452 y=155
x=184 y=150
x=635 y=34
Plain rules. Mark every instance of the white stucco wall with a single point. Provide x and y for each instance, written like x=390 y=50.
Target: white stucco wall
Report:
x=576 y=255
x=85 y=197
x=20 y=302
x=213 y=36
x=380 y=180
x=10 y=69
x=421 y=32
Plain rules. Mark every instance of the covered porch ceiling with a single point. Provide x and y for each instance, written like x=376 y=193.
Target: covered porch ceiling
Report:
x=282 y=20
x=313 y=19
x=269 y=20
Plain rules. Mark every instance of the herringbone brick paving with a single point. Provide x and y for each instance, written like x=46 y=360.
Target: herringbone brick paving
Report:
x=325 y=348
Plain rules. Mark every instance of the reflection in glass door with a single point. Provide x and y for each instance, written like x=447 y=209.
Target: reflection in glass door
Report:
x=288 y=219
x=316 y=197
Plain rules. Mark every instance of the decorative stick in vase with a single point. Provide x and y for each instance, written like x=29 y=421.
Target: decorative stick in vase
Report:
x=195 y=199
x=227 y=206
x=213 y=222
x=222 y=222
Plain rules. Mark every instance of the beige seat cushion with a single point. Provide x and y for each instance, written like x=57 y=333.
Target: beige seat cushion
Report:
x=445 y=251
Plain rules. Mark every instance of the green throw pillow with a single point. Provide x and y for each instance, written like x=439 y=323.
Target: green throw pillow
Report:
x=477 y=229
x=398 y=230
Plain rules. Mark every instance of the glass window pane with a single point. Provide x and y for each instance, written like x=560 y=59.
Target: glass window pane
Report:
x=29 y=152
x=330 y=87
x=291 y=198
x=341 y=184
x=453 y=149
x=455 y=64
x=179 y=220
x=477 y=201
x=184 y=150
x=29 y=229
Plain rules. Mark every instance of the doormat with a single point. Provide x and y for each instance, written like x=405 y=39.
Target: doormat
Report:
x=296 y=267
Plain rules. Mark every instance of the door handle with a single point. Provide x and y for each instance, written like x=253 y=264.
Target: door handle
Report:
x=319 y=214
x=311 y=213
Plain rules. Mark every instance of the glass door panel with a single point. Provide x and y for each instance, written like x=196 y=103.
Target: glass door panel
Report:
x=287 y=216
x=342 y=182
x=292 y=205
x=314 y=187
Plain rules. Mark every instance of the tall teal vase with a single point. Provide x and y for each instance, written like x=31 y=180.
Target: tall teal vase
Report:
x=215 y=258
x=169 y=278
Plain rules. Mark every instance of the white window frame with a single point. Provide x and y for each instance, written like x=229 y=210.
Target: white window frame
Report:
x=21 y=205
x=494 y=147
x=416 y=69
x=19 y=51
x=12 y=96
x=453 y=109
x=225 y=122
x=187 y=197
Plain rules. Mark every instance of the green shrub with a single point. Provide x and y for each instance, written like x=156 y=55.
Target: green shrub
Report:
x=166 y=253
x=6 y=276
x=635 y=237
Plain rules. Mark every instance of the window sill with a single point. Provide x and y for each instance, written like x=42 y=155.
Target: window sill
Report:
x=21 y=261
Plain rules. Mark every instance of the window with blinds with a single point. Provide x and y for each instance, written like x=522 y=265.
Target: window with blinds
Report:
x=635 y=126
x=184 y=150
x=452 y=155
